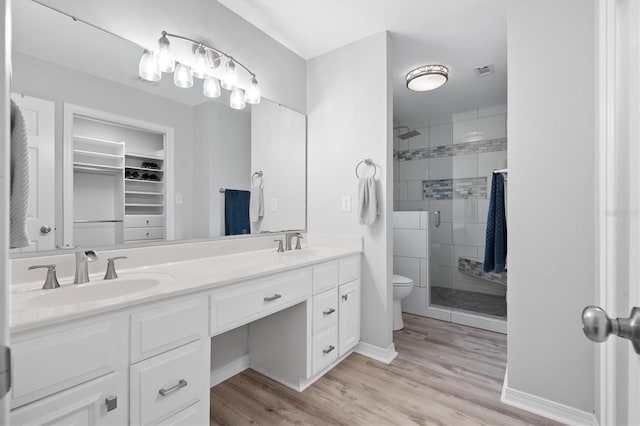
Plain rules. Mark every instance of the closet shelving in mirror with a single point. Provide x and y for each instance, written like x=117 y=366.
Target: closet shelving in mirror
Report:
x=97 y=155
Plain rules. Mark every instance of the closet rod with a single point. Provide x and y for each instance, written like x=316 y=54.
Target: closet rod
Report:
x=97 y=221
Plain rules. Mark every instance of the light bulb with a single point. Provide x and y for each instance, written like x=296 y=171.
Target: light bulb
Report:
x=213 y=59
x=165 y=58
x=230 y=76
x=200 y=63
x=182 y=76
x=211 y=87
x=252 y=96
x=148 y=67
x=236 y=101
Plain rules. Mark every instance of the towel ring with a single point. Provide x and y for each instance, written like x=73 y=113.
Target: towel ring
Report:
x=367 y=162
x=255 y=175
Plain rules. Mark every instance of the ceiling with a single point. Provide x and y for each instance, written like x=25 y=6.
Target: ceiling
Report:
x=461 y=34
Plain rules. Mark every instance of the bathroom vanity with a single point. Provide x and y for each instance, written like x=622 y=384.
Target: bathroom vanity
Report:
x=137 y=349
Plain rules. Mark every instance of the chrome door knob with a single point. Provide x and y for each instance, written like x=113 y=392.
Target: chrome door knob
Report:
x=597 y=326
x=45 y=229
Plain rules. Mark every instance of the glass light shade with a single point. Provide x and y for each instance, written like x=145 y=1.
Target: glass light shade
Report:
x=236 y=101
x=200 y=69
x=230 y=76
x=148 y=68
x=213 y=59
x=165 y=58
x=427 y=77
x=252 y=96
x=211 y=87
x=182 y=77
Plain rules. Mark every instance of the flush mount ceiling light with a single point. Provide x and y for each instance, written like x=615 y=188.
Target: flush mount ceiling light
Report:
x=427 y=77
x=205 y=59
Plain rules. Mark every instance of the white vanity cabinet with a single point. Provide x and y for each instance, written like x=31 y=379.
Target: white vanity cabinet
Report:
x=111 y=369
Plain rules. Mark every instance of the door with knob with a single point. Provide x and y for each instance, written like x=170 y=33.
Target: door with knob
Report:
x=39 y=116
x=615 y=321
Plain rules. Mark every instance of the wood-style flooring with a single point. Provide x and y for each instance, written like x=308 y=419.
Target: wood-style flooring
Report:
x=445 y=374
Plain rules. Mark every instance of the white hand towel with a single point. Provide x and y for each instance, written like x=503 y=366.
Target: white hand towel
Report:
x=368 y=205
x=256 y=203
x=19 y=198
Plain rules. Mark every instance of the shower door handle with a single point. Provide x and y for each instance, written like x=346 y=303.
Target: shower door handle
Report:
x=597 y=326
x=437 y=219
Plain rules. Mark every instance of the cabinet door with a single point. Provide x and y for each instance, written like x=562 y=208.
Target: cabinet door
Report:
x=81 y=405
x=349 y=316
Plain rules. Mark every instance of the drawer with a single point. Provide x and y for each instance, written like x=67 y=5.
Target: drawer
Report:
x=143 y=233
x=325 y=349
x=192 y=415
x=325 y=310
x=325 y=277
x=241 y=303
x=160 y=329
x=81 y=405
x=349 y=269
x=42 y=366
x=179 y=373
x=143 y=221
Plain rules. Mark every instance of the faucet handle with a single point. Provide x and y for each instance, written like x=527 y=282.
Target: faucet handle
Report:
x=51 y=281
x=111 y=267
x=280 y=248
x=299 y=236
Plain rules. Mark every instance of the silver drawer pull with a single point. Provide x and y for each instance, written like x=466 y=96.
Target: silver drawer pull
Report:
x=345 y=296
x=272 y=298
x=329 y=349
x=164 y=392
x=329 y=311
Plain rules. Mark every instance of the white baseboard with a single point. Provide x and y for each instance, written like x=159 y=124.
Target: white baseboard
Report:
x=225 y=372
x=544 y=407
x=375 y=352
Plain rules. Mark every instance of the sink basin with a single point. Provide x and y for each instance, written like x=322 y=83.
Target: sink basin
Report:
x=96 y=291
x=305 y=252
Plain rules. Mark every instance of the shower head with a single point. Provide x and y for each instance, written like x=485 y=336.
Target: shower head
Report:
x=409 y=134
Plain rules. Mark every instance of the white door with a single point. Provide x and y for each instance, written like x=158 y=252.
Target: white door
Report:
x=618 y=385
x=39 y=116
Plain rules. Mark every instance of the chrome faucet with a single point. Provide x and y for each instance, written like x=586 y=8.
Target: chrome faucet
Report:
x=288 y=237
x=82 y=265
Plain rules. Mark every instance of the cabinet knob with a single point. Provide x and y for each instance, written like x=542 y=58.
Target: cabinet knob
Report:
x=329 y=349
x=111 y=402
x=345 y=297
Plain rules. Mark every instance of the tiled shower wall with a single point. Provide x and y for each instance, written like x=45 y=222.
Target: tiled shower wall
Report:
x=448 y=167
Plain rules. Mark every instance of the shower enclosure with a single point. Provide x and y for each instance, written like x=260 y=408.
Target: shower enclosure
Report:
x=446 y=169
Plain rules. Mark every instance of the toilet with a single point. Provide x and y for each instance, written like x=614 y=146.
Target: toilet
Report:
x=402 y=287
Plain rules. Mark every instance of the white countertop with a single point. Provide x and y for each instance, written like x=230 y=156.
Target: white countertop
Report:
x=176 y=279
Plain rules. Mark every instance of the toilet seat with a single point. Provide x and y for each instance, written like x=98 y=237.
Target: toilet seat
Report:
x=401 y=281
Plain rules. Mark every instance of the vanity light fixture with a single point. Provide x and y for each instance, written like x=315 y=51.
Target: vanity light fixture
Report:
x=427 y=77
x=205 y=59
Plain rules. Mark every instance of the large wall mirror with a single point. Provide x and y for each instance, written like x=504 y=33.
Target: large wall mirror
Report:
x=116 y=160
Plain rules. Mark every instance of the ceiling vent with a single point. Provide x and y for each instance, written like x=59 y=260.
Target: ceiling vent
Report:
x=484 y=70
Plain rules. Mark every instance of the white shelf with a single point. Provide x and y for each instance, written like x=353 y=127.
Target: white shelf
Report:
x=96 y=154
x=143 y=193
x=143 y=205
x=144 y=156
x=91 y=167
x=96 y=140
x=143 y=181
x=144 y=169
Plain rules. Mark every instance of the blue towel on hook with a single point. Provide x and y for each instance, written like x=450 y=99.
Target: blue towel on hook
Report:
x=495 y=249
x=236 y=212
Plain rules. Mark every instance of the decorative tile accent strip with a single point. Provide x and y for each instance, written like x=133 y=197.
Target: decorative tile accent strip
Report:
x=448 y=189
x=474 y=267
x=451 y=150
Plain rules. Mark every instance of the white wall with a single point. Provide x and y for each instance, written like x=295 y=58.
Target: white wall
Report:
x=551 y=51
x=350 y=118
x=34 y=77
x=278 y=148
x=222 y=158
